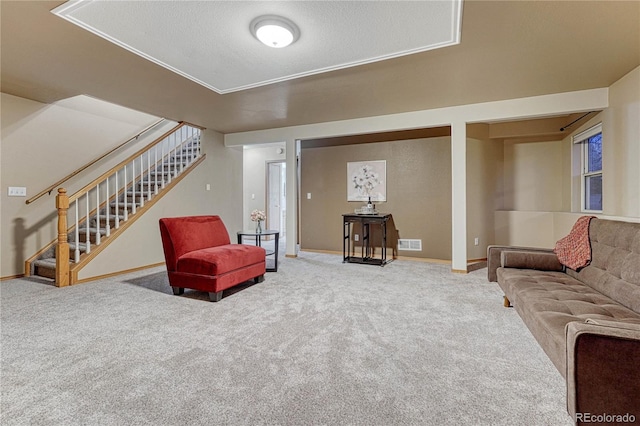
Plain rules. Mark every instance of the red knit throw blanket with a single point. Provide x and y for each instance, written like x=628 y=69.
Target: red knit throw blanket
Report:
x=574 y=250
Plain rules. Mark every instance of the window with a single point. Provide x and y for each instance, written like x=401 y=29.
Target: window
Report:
x=591 y=168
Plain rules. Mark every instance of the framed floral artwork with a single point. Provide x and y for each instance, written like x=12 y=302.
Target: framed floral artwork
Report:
x=367 y=179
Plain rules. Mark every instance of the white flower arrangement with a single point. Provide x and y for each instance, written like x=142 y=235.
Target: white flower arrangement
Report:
x=365 y=180
x=258 y=216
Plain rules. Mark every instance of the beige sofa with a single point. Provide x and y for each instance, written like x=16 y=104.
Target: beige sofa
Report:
x=587 y=321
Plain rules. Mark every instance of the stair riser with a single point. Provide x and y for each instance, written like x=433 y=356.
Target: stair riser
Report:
x=121 y=208
x=112 y=222
x=42 y=271
x=146 y=185
x=83 y=239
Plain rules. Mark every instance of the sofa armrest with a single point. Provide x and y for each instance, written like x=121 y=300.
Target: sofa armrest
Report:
x=522 y=259
x=494 y=257
x=602 y=369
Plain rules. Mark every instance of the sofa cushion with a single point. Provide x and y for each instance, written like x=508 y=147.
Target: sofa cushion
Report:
x=220 y=260
x=548 y=301
x=615 y=267
x=557 y=292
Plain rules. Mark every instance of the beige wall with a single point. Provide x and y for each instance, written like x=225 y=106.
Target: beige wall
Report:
x=418 y=193
x=538 y=229
x=621 y=150
x=533 y=176
x=140 y=245
x=621 y=175
x=484 y=190
x=41 y=143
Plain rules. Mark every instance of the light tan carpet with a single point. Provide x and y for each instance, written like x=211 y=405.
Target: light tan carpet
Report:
x=317 y=343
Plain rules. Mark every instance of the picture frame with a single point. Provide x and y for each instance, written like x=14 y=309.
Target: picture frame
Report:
x=367 y=179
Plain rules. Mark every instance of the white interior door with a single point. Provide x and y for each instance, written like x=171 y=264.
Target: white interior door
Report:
x=276 y=196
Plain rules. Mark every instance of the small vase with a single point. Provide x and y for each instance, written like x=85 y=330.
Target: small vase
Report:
x=259 y=227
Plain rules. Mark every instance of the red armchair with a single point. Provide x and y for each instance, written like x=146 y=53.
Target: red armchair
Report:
x=200 y=256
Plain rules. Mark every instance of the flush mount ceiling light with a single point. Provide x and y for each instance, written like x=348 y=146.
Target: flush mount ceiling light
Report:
x=274 y=31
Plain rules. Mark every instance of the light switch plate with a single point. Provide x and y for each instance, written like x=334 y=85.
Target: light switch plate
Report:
x=17 y=191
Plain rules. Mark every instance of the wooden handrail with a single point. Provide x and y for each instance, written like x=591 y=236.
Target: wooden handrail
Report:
x=91 y=163
x=112 y=170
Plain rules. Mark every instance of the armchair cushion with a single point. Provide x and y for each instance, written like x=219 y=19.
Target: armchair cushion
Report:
x=219 y=260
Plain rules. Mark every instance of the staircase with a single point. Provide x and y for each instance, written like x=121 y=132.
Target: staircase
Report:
x=126 y=191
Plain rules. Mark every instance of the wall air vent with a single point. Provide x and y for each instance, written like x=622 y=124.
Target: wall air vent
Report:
x=410 y=245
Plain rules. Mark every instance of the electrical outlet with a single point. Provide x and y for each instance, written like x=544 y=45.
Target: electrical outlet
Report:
x=17 y=191
x=308 y=195
x=476 y=241
x=356 y=237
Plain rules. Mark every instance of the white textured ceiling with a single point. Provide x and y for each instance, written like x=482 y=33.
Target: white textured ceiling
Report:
x=210 y=43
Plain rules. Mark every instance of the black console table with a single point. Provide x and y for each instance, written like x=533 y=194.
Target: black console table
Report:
x=258 y=236
x=366 y=250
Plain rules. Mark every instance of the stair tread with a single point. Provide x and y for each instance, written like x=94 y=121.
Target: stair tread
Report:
x=103 y=231
x=121 y=203
x=92 y=230
x=49 y=262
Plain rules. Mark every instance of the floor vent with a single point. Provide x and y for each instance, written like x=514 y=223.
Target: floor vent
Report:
x=406 y=244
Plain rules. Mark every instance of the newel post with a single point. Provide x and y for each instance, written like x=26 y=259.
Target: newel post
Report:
x=62 y=248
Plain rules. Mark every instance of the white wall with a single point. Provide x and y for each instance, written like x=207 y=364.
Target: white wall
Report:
x=621 y=148
x=484 y=193
x=532 y=174
x=538 y=229
x=254 y=178
x=621 y=175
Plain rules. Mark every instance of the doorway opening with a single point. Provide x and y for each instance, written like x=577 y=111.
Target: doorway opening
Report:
x=276 y=196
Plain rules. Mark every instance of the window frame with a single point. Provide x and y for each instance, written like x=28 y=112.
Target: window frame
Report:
x=582 y=138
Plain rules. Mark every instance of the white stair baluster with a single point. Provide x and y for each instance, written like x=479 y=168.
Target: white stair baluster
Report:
x=198 y=131
x=86 y=224
x=196 y=145
x=141 y=181
x=98 y=214
x=175 y=154
x=107 y=208
x=162 y=162
x=133 y=186
x=124 y=193
x=182 y=152
x=194 y=148
x=189 y=146
x=76 y=253
x=155 y=161
x=117 y=210
x=171 y=137
x=149 y=175
x=176 y=167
